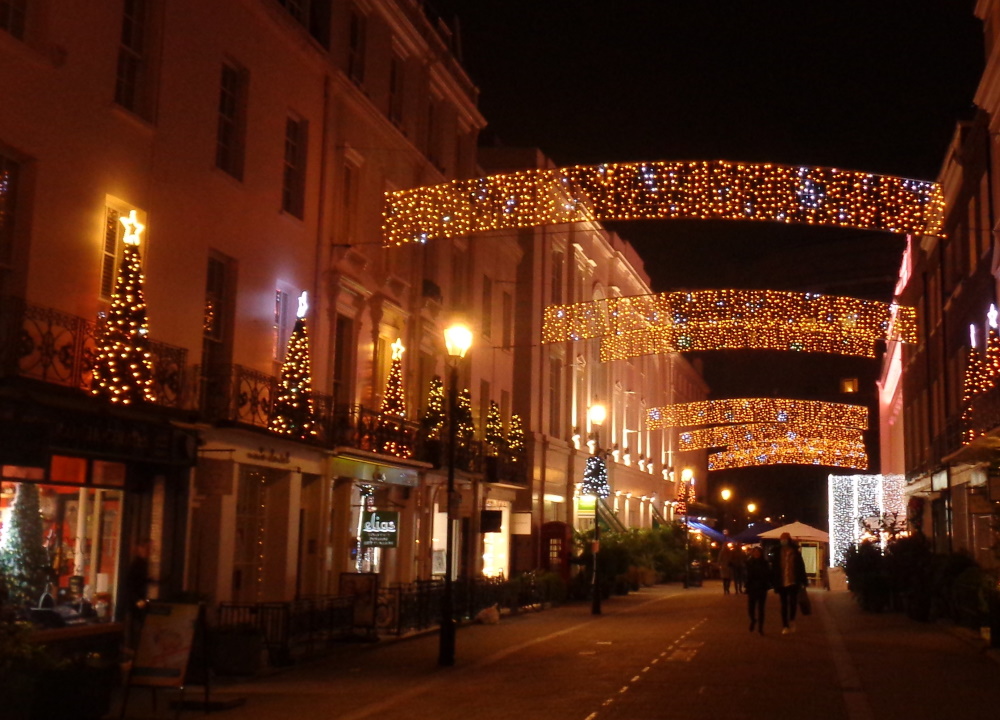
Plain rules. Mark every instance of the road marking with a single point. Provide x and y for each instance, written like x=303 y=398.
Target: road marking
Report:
x=608 y=702
x=623 y=690
x=603 y=642
x=646 y=669
x=591 y=716
x=655 y=660
x=588 y=652
x=635 y=678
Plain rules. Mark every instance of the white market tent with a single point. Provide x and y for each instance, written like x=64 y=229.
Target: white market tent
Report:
x=799 y=532
x=812 y=541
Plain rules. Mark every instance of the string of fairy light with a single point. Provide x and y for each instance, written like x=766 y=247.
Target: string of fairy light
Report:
x=815 y=452
x=860 y=497
x=684 y=321
x=788 y=432
x=659 y=190
x=757 y=410
x=982 y=376
x=768 y=431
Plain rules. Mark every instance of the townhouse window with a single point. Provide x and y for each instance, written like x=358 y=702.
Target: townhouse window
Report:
x=487 y=306
x=343 y=360
x=9 y=171
x=294 y=177
x=132 y=82
x=356 y=46
x=433 y=139
x=396 y=83
x=457 y=278
x=230 y=138
x=12 y=17
x=348 y=200
x=109 y=251
x=283 y=316
x=555 y=397
x=558 y=264
x=507 y=340
x=849 y=385
x=298 y=9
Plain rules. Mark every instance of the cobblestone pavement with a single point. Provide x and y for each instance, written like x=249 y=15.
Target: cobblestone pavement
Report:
x=664 y=652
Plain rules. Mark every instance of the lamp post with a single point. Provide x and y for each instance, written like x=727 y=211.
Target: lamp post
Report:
x=725 y=495
x=458 y=339
x=751 y=509
x=687 y=477
x=596 y=415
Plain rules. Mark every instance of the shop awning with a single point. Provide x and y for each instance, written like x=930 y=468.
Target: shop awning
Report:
x=982 y=449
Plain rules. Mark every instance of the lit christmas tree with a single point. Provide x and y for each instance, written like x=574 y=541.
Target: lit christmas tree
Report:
x=123 y=368
x=971 y=384
x=685 y=496
x=393 y=401
x=433 y=420
x=595 y=478
x=494 y=427
x=294 y=415
x=465 y=429
x=515 y=437
x=394 y=407
x=23 y=561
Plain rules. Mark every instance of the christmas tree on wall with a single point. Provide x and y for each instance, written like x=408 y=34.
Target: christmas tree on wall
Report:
x=494 y=427
x=515 y=437
x=294 y=414
x=123 y=368
x=23 y=560
x=465 y=429
x=433 y=420
x=595 y=478
x=394 y=408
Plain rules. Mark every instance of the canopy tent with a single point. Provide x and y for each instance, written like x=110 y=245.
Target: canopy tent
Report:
x=709 y=532
x=752 y=532
x=798 y=531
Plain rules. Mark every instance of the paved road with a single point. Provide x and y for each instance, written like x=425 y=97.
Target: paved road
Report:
x=662 y=653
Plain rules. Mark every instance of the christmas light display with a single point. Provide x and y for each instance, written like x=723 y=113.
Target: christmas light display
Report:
x=730 y=319
x=685 y=495
x=494 y=427
x=980 y=407
x=394 y=407
x=757 y=410
x=24 y=564
x=123 y=366
x=433 y=420
x=595 y=478
x=813 y=452
x=762 y=433
x=855 y=498
x=465 y=429
x=701 y=190
x=515 y=436
x=294 y=414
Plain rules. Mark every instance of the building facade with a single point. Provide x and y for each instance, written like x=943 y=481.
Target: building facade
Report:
x=253 y=141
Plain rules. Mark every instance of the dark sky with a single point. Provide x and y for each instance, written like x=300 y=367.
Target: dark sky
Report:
x=873 y=85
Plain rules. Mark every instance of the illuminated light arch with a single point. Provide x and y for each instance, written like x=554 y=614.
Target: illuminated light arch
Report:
x=661 y=190
x=731 y=320
x=757 y=410
x=830 y=454
x=720 y=436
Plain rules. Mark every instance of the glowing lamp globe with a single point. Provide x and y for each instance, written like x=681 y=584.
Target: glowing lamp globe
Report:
x=458 y=340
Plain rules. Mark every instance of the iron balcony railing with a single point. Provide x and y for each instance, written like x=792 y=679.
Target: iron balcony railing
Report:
x=56 y=347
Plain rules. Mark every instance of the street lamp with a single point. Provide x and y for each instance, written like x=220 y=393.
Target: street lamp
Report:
x=687 y=477
x=595 y=484
x=751 y=509
x=457 y=339
x=725 y=494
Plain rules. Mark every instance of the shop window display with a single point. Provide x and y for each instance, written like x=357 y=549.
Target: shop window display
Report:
x=60 y=543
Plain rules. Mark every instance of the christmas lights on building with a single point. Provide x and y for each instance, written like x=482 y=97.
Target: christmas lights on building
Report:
x=854 y=499
x=494 y=427
x=688 y=321
x=294 y=414
x=701 y=190
x=433 y=419
x=595 y=478
x=758 y=433
x=394 y=407
x=123 y=366
x=515 y=436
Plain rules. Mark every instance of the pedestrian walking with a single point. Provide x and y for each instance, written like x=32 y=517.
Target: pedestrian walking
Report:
x=739 y=569
x=758 y=582
x=789 y=573
x=726 y=566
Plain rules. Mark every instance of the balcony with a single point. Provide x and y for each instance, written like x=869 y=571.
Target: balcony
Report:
x=55 y=347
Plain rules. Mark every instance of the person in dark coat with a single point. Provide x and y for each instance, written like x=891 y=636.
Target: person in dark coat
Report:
x=789 y=574
x=758 y=582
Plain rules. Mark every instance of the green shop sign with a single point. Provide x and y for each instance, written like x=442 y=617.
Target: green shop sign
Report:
x=379 y=529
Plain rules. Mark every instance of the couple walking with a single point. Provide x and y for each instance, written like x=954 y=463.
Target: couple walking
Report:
x=786 y=573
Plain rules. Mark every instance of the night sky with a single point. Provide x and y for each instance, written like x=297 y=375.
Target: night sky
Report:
x=875 y=85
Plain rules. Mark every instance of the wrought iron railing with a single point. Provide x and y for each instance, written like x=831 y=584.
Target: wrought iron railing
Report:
x=365 y=429
x=293 y=629
x=59 y=348
x=236 y=394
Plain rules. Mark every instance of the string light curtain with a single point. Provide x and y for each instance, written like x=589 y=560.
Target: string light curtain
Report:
x=682 y=321
x=758 y=410
x=853 y=498
x=660 y=190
